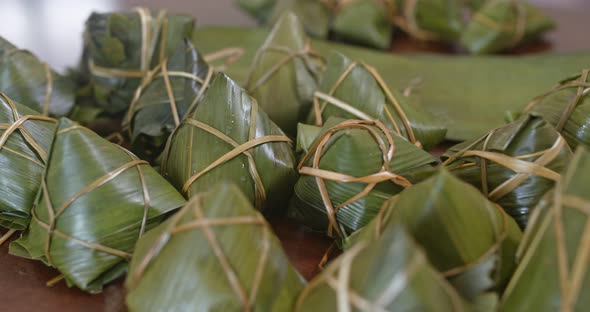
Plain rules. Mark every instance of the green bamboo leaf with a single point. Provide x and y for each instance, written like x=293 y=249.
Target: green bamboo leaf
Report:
x=164 y=97
x=391 y=274
x=466 y=237
x=122 y=47
x=31 y=82
x=553 y=273
x=284 y=74
x=514 y=165
x=351 y=89
x=239 y=264
x=364 y=22
x=504 y=24
x=467 y=107
x=229 y=138
x=25 y=140
x=352 y=167
x=429 y=20
x=96 y=200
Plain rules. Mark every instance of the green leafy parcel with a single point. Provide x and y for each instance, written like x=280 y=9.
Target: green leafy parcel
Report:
x=428 y=20
x=121 y=48
x=514 y=165
x=216 y=254
x=25 y=141
x=229 y=138
x=553 y=273
x=469 y=239
x=502 y=24
x=284 y=74
x=29 y=81
x=351 y=168
x=350 y=89
x=390 y=274
x=95 y=200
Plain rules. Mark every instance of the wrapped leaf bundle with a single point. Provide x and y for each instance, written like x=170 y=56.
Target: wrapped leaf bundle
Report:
x=514 y=165
x=238 y=264
x=428 y=20
x=284 y=74
x=352 y=167
x=391 y=274
x=121 y=48
x=31 y=82
x=362 y=21
x=469 y=239
x=229 y=138
x=350 y=89
x=553 y=275
x=504 y=24
x=567 y=107
x=164 y=96
x=25 y=140
x=96 y=200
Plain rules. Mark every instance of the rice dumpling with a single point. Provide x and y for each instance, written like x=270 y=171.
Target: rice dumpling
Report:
x=428 y=20
x=553 y=274
x=471 y=240
x=163 y=98
x=514 y=165
x=122 y=47
x=567 y=107
x=284 y=74
x=362 y=21
x=503 y=24
x=350 y=89
x=352 y=167
x=216 y=254
x=390 y=274
x=229 y=138
x=25 y=140
x=29 y=81
x=95 y=200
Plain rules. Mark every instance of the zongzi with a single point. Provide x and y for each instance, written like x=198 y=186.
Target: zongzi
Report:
x=428 y=20
x=469 y=239
x=284 y=74
x=352 y=167
x=362 y=21
x=95 y=200
x=216 y=254
x=513 y=165
x=229 y=138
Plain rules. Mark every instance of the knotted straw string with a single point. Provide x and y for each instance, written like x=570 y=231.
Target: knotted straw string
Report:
x=387 y=148
x=54 y=214
x=518 y=29
x=582 y=88
x=205 y=225
x=518 y=164
x=290 y=56
x=337 y=277
x=328 y=98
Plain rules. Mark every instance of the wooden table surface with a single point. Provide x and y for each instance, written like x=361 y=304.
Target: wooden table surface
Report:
x=22 y=282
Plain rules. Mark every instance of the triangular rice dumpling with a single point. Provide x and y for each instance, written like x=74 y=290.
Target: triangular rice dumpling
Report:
x=469 y=239
x=31 y=82
x=350 y=89
x=390 y=274
x=567 y=107
x=553 y=274
x=362 y=21
x=352 y=167
x=216 y=254
x=428 y=20
x=503 y=24
x=513 y=165
x=164 y=97
x=25 y=140
x=284 y=74
x=229 y=138
x=123 y=47
x=96 y=200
